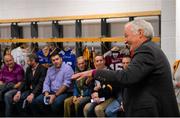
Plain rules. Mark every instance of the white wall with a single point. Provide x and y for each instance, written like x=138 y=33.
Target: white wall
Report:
x=177 y=29
x=168 y=28
x=45 y=8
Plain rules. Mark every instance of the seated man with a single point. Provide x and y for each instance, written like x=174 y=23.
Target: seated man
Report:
x=117 y=104
x=56 y=88
x=101 y=96
x=31 y=87
x=11 y=77
x=81 y=93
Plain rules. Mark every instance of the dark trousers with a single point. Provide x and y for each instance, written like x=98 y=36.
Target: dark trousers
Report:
x=90 y=111
x=82 y=103
x=26 y=111
x=2 y=111
x=1 y=101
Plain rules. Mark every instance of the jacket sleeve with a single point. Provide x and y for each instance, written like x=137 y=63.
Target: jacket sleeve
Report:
x=141 y=65
x=24 y=84
x=38 y=87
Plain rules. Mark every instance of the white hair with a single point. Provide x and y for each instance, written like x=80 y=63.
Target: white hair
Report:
x=144 y=25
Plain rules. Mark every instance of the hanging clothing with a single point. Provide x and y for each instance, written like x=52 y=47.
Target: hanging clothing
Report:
x=20 y=56
x=91 y=58
x=114 y=60
x=68 y=57
x=43 y=59
x=86 y=53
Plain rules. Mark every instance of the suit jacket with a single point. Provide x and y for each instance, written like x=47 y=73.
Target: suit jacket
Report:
x=34 y=83
x=149 y=83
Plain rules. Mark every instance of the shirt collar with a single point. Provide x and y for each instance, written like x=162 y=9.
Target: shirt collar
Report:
x=142 y=44
x=35 y=67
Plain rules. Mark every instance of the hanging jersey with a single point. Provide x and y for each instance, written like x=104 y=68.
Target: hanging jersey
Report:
x=69 y=58
x=91 y=58
x=114 y=61
x=86 y=53
x=125 y=51
x=42 y=58
x=20 y=56
x=54 y=51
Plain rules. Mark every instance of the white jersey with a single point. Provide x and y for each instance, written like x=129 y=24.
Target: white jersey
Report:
x=20 y=56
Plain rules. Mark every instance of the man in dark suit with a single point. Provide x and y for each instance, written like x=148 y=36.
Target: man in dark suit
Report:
x=31 y=87
x=148 y=77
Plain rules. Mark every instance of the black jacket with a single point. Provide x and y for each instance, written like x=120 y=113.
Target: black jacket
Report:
x=36 y=81
x=149 y=83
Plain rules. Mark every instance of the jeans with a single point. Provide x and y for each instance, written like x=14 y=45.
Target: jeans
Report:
x=8 y=99
x=40 y=109
x=112 y=109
